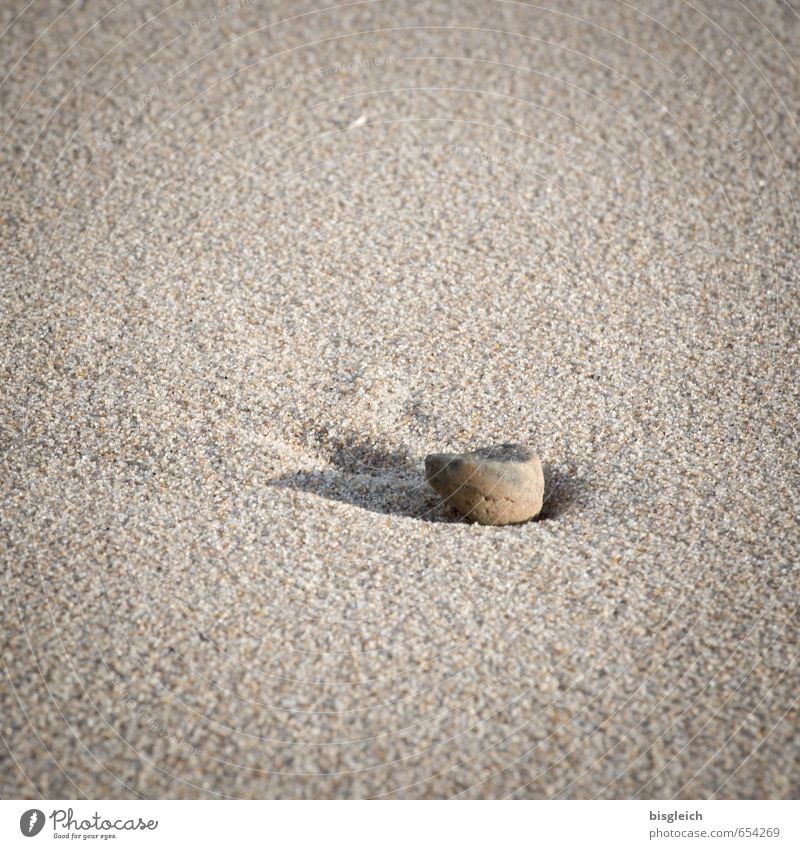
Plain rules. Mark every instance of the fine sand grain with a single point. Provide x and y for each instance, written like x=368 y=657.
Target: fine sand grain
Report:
x=259 y=259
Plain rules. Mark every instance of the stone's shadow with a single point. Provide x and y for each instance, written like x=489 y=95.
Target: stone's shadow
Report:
x=400 y=491
x=562 y=486
x=370 y=475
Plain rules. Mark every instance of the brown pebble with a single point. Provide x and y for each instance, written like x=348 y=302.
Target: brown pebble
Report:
x=496 y=485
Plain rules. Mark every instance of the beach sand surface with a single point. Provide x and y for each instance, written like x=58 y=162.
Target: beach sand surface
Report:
x=259 y=259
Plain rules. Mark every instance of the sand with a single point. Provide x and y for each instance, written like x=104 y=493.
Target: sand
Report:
x=259 y=259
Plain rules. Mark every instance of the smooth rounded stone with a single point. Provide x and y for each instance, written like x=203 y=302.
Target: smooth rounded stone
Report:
x=497 y=485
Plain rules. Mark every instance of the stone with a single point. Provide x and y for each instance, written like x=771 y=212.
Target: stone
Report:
x=497 y=485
